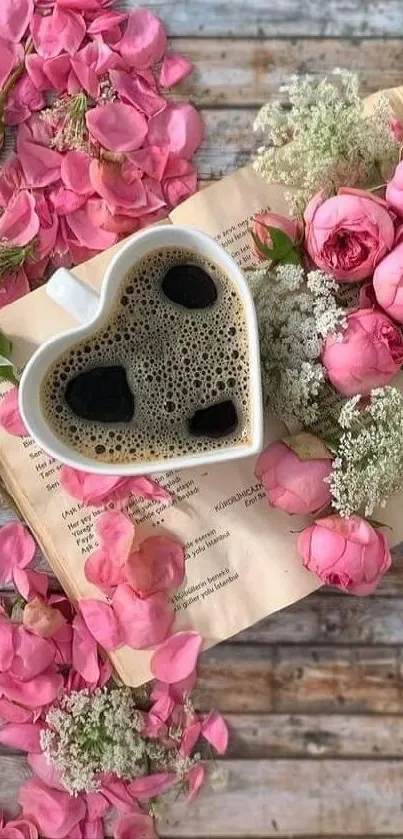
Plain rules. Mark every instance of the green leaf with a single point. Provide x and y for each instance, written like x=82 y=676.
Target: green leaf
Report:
x=5 y=346
x=6 y=365
x=283 y=250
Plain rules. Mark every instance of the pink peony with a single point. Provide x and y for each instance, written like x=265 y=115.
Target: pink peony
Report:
x=348 y=234
x=264 y=220
x=292 y=472
x=346 y=553
x=388 y=283
x=368 y=355
x=394 y=190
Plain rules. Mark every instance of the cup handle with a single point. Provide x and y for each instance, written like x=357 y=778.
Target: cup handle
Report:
x=73 y=295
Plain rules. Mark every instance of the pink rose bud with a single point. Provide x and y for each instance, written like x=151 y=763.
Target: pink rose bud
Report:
x=347 y=553
x=394 y=190
x=396 y=129
x=348 y=234
x=42 y=619
x=264 y=220
x=368 y=355
x=388 y=283
x=292 y=472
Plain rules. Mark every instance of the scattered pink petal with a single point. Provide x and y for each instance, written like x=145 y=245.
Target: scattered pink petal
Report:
x=134 y=826
x=63 y=641
x=177 y=691
x=117 y=794
x=39 y=691
x=195 y=779
x=55 y=812
x=22 y=100
x=84 y=5
x=180 y=181
x=103 y=571
x=33 y=655
x=152 y=160
x=174 y=68
x=190 y=738
x=116 y=533
x=42 y=619
x=11 y=179
x=24 y=736
x=66 y=201
x=44 y=771
x=85 y=651
x=215 y=731
x=97 y=805
x=57 y=71
x=86 y=76
x=102 y=623
x=19 y=829
x=116 y=126
x=14 y=18
x=137 y=92
x=40 y=165
x=108 y=181
x=105 y=22
x=42 y=133
x=144 y=40
x=153 y=726
x=12 y=287
x=158 y=565
x=34 y=65
x=89 y=488
x=10 y=417
x=179 y=126
x=122 y=225
x=99 y=56
x=149 y=786
x=176 y=658
x=7 y=58
x=75 y=172
x=63 y=30
x=143 y=623
x=19 y=223
x=14 y=713
x=163 y=707
x=17 y=549
x=85 y=222
x=6 y=644
x=30 y=583
x=148 y=488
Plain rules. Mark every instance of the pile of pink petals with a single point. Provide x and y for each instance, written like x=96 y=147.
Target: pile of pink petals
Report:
x=77 y=184
x=52 y=650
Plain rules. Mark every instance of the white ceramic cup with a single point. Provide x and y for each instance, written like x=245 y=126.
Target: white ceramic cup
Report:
x=92 y=310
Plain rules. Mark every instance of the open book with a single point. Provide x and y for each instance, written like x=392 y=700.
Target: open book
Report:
x=242 y=563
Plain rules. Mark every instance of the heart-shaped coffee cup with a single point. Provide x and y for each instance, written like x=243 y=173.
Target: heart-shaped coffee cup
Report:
x=93 y=311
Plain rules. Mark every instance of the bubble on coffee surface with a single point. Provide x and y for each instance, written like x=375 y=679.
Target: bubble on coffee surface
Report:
x=178 y=362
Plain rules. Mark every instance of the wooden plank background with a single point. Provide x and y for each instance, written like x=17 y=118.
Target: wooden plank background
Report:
x=313 y=695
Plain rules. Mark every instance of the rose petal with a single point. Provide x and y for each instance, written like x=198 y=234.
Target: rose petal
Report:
x=41 y=619
x=181 y=185
x=19 y=829
x=102 y=623
x=144 y=40
x=153 y=726
x=40 y=165
x=103 y=571
x=190 y=738
x=143 y=623
x=158 y=565
x=116 y=792
x=116 y=126
x=13 y=286
x=33 y=655
x=174 y=68
x=19 y=223
x=45 y=771
x=30 y=583
x=84 y=652
x=34 y=65
x=11 y=179
x=87 y=77
x=89 y=488
x=215 y=731
x=148 y=488
x=108 y=181
x=97 y=805
x=7 y=58
x=149 y=786
x=63 y=30
x=137 y=92
x=75 y=172
x=17 y=549
x=179 y=126
x=55 y=812
x=10 y=417
x=6 y=644
x=57 y=71
x=176 y=657
x=84 y=223
x=22 y=100
x=134 y=826
x=42 y=133
x=24 y=736
x=65 y=201
x=195 y=779
x=14 y=713
x=35 y=693
x=14 y=18
x=116 y=533
x=152 y=160
x=63 y=642
x=106 y=21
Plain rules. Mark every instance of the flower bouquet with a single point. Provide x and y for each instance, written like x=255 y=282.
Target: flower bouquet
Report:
x=328 y=290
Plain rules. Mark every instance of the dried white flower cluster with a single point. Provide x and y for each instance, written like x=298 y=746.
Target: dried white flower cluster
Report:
x=295 y=313
x=99 y=732
x=333 y=141
x=368 y=467
x=68 y=114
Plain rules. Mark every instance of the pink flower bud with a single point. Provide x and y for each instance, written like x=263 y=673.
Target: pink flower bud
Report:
x=264 y=220
x=42 y=619
x=368 y=355
x=292 y=472
x=348 y=234
x=345 y=552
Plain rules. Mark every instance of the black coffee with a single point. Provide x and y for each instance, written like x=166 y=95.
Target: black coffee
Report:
x=167 y=372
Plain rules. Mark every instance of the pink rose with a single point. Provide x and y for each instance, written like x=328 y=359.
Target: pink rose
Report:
x=42 y=619
x=292 y=472
x=388 y=283
x=394 y=190
x=346 y=553
x=264 y=220
x=368 y=355
x=348 y=234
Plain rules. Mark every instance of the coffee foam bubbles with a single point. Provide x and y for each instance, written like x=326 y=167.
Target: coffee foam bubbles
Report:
x=176 y=360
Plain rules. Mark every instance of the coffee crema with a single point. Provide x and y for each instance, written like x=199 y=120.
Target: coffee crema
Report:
x=167 y=374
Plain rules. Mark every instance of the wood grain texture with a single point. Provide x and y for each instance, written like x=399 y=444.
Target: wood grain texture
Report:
x=279 y=18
